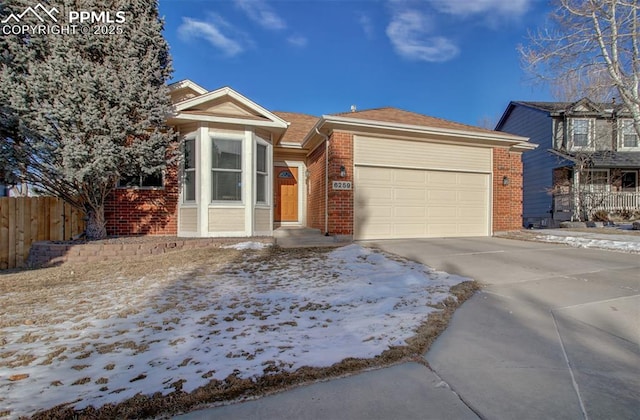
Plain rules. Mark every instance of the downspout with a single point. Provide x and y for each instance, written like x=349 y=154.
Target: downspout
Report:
x=326 y=181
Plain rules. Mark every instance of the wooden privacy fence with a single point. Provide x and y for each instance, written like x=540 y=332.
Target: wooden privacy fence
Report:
x=24 y=220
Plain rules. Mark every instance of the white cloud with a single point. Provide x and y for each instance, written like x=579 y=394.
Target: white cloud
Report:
x=261 y=13
x=409 y=32
x=507 y=8
x=298 y=41
x=212 y=32
x=367 y=25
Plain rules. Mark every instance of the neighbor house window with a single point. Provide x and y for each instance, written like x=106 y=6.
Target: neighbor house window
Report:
x=141 y=181
x=597 y=180
x=629 y=136
x=580 y=133
x=261 y=173
x=226 y=166
x=629 y=181
x=189 y=191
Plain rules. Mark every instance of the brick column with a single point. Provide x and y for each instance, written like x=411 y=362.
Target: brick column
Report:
x=340 y=202
x=507 y=199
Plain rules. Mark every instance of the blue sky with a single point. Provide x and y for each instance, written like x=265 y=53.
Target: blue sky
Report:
x=454 y=59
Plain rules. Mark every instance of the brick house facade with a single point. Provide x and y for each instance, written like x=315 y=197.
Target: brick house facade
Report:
x=373 y=174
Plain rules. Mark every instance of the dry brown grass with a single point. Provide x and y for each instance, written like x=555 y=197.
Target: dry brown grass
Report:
x=83 y=284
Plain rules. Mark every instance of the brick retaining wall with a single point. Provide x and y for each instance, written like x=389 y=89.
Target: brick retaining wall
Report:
x=46 y=254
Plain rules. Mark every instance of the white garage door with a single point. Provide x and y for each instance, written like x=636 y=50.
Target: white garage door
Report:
x=416 y=203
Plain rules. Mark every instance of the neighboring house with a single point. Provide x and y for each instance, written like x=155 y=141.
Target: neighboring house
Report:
x=588 y=160
x=372 y=174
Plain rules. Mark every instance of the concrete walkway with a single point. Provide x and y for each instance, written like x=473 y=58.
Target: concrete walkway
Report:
x=303 y=237
x=555 y=333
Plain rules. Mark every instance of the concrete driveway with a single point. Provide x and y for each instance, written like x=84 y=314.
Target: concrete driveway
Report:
x=555 y=333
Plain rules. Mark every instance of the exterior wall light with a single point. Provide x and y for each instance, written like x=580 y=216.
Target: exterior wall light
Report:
x=505 y=180
x=343 y=171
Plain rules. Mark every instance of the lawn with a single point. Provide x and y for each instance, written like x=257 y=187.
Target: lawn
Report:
x=166 y=333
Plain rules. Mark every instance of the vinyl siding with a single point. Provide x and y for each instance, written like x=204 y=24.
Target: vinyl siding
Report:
x=538 y=164
x=262 y=220
x=226 y=220
x=188 y=219
x=373 y=151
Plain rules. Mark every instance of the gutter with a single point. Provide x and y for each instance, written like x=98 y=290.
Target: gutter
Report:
x=326 y=181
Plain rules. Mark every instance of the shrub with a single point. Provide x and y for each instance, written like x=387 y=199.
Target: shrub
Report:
x=600 y=216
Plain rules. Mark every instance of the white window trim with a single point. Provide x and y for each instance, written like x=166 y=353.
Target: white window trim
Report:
x=269 y=170
x=233 y=137
x=183 y=171
x=590 y=134
x=621 y=124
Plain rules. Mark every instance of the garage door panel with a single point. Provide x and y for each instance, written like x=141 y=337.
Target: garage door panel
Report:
x=410 y=230
x=379 y=212
x=442 y=229
x=381 y=230
x=374 y=177
x=442 y=196
x=409 y=178
x=410 y=212
x=442 y=178
x=472 y=180
x=380 y=194
x=471 y=197
x=409 y=203
x=410 y=194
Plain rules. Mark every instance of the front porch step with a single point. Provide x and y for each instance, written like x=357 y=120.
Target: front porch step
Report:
x=297 y=237
x=295 y=232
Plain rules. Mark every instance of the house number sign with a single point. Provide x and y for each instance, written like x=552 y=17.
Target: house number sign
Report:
x=342 y=185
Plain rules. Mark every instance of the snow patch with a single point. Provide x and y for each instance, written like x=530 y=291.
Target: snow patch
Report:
x=247 y=245
x=625 y=246
x=253 y=319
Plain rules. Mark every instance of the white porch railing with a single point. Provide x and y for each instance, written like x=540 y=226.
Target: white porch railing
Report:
x=594 y=201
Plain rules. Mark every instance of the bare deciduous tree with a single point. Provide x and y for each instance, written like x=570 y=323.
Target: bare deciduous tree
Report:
x=591 y=49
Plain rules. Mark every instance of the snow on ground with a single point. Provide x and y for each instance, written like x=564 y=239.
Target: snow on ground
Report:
x=250 y=319
x=626 y=246
x=247 y=245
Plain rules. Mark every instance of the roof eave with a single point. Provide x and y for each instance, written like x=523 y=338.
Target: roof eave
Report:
x=182 y=117
x=489 y=138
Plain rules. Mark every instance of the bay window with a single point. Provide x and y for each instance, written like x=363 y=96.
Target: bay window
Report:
x=226 y=167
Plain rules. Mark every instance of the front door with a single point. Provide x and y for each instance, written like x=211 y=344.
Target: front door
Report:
x=286 y=194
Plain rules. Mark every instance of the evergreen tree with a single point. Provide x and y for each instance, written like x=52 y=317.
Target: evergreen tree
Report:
x=78 y=111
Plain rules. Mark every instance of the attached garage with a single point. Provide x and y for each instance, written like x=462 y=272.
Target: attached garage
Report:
x=419 y=189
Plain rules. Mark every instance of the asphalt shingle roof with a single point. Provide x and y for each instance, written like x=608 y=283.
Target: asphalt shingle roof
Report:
x=300 y=125
x=609 y=159
x=399 y=116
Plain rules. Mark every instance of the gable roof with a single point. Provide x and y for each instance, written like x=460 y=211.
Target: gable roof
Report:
x=188 y=84
x=240 y=110
x=584 y=106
